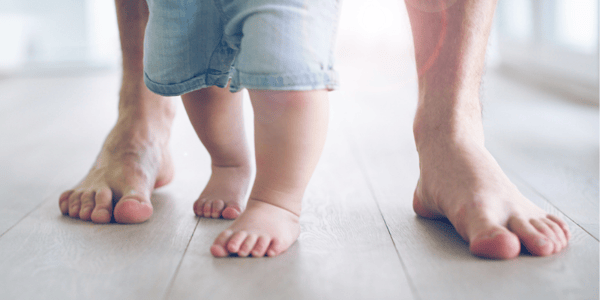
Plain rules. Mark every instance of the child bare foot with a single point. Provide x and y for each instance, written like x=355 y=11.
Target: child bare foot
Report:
x=217 y=117
x=461 y=181
x=133 y=161
x=288 y=148
x=225 y=193
x=262 y=229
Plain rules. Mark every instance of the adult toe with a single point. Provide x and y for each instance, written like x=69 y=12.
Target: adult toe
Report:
x=103 y=206
x=75 y=204
x=495 y=242
x=63 y=201
x=536 y=243
x=87 y=205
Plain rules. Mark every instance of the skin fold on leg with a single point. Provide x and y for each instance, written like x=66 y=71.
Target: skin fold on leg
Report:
x=290 y=129
x=135 y=158
x=460 y=180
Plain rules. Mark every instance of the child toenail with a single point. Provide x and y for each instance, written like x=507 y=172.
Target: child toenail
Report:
x=541 y=242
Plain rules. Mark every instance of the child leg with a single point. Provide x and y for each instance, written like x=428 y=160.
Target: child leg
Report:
x=290 y=129
x=217 y=117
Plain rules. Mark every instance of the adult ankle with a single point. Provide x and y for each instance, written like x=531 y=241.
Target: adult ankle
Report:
x=447 y=121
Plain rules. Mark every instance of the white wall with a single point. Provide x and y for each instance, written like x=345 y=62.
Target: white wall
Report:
x=59 y=32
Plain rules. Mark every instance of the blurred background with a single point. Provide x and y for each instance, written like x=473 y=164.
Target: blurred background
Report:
x=552 y=44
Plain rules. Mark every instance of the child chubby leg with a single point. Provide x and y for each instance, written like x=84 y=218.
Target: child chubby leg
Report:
x=217 y=117
x=290 y=130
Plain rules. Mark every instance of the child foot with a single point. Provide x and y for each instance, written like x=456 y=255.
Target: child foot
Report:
x=133 y=161
x=261 y=229
x=461 y=181
x=225 y=193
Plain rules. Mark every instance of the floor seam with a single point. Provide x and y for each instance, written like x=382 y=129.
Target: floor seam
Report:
x=25 y=216
x=172 y=281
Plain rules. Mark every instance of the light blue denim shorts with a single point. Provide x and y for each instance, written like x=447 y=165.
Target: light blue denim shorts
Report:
x=259 y=44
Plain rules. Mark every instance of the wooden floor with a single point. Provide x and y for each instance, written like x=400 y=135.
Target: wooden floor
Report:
x=360 y=238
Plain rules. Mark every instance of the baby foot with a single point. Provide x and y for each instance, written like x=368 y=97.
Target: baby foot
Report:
x=225 y=193
x=261 y=229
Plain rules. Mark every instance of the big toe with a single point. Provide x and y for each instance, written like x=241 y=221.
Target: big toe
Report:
x=495 y=242
x=218 y=247
x=131 y=210
x=231 y=212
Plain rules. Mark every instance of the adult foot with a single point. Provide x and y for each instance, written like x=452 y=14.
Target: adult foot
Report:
x=262 y=228
x=461 y=181
x=225 y=193
x=133 y=161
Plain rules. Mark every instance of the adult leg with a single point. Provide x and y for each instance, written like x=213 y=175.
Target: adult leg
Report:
x=134 y=159
x=217 y=117
x=290 y=129
x=460 y=180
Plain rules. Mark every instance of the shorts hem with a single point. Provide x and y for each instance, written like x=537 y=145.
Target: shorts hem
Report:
x=287 y=82
x=190 y=85
x=290 y=82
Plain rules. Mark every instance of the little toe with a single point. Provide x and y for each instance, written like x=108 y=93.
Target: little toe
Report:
x=218 y=247
x=75 y=204
x=232 y=211
x=260 y=248
x=103 y=209
x=87 y=204
x=248 y=245
x=495 y=242
x=233 y=246
x=217 y=208
x=537 y=243
x=63 y=202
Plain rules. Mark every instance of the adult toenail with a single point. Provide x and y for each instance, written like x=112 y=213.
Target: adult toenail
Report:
x=492 y=235
x=131 y=193
x=85 y=210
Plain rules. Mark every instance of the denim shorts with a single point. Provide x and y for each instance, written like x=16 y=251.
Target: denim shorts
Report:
x=258 y=44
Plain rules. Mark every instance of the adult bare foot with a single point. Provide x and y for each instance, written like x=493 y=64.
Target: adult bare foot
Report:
x=461 y=181
x=262 y=228
x=133 y=161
